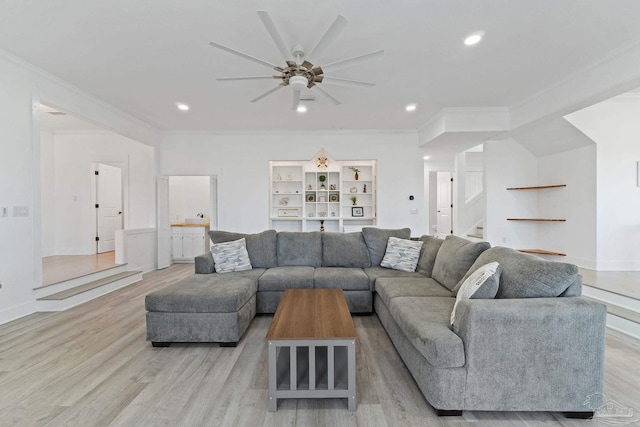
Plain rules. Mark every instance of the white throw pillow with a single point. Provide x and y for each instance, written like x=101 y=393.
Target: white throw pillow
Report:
x=481 y=284
x=231 y=256
x=402 y=254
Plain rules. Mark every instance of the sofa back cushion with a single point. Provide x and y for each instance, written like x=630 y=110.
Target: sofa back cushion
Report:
x=528 y=276
x=299 y=248
x=430 y=247
x=454 y=258
x=377 y=238
x=344 y=250
x=261 y=247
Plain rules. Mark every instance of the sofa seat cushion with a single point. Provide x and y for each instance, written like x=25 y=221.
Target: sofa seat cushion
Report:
x=454 y=258
x=252 y=274
x=348 y=279
x=425 y=323
x=299 y=248
x=281 y=278
x=376 y=272
x=203 y=293
x=261 y=247
x=389 y=287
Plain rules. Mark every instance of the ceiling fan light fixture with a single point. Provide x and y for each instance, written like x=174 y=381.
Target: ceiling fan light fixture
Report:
x=298 y=82
x=301 y=109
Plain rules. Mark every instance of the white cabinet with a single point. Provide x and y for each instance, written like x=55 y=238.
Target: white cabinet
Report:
x=340 y=196
x=188 y=241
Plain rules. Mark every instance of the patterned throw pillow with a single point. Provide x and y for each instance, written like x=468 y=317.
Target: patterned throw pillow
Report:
x=401 y=254
x=481 y=284
x=231 y=256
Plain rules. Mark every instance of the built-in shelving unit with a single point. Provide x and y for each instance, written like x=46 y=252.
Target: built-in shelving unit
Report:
x=306 y=196
x=541 y=220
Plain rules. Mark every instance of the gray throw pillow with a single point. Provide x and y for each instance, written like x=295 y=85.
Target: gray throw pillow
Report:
x=454 y=258
x=428 y=254
x=231 y=256
x=300 y=248
x=481 y=284
x=528 y=276
x=377 y=238
x=344 y=250
x=261 y=247
x=401 y=254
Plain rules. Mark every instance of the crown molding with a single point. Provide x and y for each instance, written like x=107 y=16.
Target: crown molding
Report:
x=293 y=132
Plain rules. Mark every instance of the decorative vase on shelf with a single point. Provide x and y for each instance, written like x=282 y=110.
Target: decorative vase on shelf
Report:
x=356 y=176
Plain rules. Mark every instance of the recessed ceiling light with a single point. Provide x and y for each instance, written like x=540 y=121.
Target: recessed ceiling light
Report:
x=474 y=38
x=426 y=157
x=301 y=108
x=182 y=107
x=411 y=107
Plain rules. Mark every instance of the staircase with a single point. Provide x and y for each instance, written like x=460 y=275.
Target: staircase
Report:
x=477 y=233
x=69 y=293
x=623 y=311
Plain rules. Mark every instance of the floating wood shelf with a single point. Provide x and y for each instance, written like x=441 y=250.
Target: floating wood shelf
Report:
x=539 y=187
x=537 y=219
x=540 y=252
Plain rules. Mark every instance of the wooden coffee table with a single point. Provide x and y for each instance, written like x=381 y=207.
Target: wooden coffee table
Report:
x=312 y=347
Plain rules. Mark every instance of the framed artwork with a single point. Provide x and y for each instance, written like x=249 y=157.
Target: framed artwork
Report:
x=311 y=197
x=357 y=211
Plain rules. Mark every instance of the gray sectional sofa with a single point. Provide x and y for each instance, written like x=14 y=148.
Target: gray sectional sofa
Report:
x=537 y=346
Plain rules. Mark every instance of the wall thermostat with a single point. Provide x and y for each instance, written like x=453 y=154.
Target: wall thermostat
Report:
x=410 y=197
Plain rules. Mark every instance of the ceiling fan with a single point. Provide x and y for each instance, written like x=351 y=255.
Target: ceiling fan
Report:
x=298 y=72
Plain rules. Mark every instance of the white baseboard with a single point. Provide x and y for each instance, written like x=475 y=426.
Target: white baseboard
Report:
x=589 y=264
x=18 y=311
x=624 y=326
x=74 y=251
x=609 y=265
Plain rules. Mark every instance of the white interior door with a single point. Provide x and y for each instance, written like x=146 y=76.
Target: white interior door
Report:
x=108 y=206
x=444 y=206
x=164 y=223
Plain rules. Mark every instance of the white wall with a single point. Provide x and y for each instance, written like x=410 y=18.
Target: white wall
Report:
x=241 y=163
x=576 y=202
x=189 y=195
x=74 y=189
x=508 y=164
x=21 y=89
x=47 y=189
x=615 y=128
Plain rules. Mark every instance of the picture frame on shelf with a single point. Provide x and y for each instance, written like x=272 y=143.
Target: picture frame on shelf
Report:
x=311 y=198
x=334 y=198
x=357 y=211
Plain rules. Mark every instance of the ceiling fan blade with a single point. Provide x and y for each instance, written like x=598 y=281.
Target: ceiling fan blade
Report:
x=224 y=79
x=296 y=99
x=346 y=82
x=317 y=71
x=244 y=55
x=352 y=61
x=318 y=79
x=275 y=34
x=308 y=65
x=269 y=92
x=327 y=95
x=332 y=33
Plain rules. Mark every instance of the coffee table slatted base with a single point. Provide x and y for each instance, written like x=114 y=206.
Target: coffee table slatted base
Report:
x=317 y=368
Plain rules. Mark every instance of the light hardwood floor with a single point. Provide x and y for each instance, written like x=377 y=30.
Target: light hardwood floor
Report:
x=91 y=366
x=58 y=268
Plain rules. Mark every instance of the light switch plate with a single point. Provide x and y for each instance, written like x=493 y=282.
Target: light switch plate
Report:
x=20 y=211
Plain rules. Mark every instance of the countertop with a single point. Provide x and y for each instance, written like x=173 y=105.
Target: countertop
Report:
x=184 y=224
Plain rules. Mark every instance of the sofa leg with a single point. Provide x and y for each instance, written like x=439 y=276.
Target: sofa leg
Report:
x=228 y=344
x=580 y=415
x=448 y=412
x=160 y=344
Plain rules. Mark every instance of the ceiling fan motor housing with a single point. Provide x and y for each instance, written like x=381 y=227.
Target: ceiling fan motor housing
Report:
x=298 y=82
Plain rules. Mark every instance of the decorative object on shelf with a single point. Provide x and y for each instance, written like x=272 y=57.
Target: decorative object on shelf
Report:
x=288 y=212
x=332 y=187
x=357 y=211
x=277 y=191
x=364 y=188
x=322 y=199
x=333 y=214
x=355 y=172
x=310 y=187
x=284 y=201
x=311 y=198
x=288 y=178
x=353 y=189
x=353 y=199
x=279 y=177
x=321 y=225
x=322 y=214
x=322 y=162
x=333 y=198
x=322 y=179
x=310 y=214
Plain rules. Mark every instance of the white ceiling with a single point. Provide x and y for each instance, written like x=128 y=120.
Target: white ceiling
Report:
x=144 y=56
